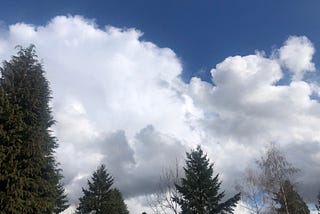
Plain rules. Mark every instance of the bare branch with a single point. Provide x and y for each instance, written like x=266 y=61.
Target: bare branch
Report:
x=162 y=200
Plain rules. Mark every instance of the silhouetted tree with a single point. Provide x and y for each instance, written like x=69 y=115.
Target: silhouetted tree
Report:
x=99 y=198
x=199 y=189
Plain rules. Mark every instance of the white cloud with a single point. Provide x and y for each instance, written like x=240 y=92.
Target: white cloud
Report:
x=246 y=108
x=296 y=55
x=246 y=104
x=121 y=101
x=103 y=81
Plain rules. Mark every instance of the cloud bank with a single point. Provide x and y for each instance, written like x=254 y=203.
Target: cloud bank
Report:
x=121 y=101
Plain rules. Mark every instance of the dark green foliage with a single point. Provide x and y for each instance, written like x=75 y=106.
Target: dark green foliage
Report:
x=318 y=205
x=117 y=205
x=290 y=200
x=28 y=178
x=62 y=202
x=99 y=197
x=199 y=190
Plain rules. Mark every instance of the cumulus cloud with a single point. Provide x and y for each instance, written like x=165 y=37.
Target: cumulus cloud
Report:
x=296 y=54
x=115 y=98
x=120 y=101
x=246 y=108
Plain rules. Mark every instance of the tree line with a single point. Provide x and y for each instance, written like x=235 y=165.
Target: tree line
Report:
x=31 y=177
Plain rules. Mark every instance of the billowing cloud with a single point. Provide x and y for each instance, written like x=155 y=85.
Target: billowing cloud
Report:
x=246 y=107
x=120 y=101
x=117 y=100
x=296 y=55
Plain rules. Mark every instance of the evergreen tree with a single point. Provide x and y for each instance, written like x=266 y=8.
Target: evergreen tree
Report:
x=28 y=174
x=199 y=189
x=289 y=197
x=99 y=197
x=117 y=205
x=62 y=202
x=12 y=193
x=318 y=205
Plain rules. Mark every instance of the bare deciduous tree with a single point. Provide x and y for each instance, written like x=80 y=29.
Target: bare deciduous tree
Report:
x=275 y=171
x=258 y=187
x=162 y=200
x=251 y=193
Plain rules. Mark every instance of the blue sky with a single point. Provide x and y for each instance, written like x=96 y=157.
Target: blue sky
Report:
x=202 y=33
x=119 y=99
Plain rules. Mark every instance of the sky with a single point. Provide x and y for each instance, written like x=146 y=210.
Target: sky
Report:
x=136 y=84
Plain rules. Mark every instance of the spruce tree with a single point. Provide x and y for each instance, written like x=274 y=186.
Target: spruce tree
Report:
x=99 y=197
x=28 y=173
x=199 y=189
x=117 y=205
x=290 y=201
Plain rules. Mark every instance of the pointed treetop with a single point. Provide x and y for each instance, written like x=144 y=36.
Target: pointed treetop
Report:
x=199 y=189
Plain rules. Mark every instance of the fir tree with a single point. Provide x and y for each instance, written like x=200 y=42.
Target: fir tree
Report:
x=28 y=174
x=290 y=201
x=199 y=189
x=99 y=197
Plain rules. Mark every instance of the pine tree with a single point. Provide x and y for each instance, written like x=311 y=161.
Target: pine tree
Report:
x=99 y=197
x=289 y=197
x=28 y=174
x=199 y=190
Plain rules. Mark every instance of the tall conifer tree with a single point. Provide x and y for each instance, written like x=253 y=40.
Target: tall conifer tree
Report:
x=199 y=190
x=28 y=170
x=99 y=198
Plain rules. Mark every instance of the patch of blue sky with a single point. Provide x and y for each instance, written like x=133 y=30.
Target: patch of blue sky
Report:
x=202 y=33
